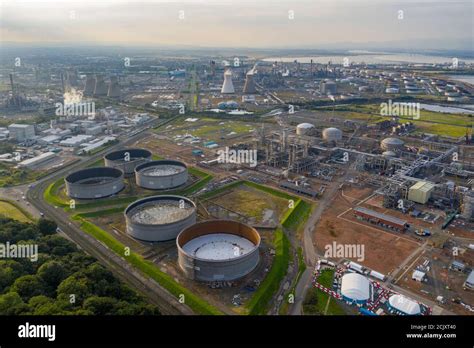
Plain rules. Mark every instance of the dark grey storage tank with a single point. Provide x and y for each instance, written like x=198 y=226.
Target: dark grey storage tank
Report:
x=116 y=159
x=161 y=175
x=95 y=182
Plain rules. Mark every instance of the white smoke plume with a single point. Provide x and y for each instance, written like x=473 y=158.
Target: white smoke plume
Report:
x=72 y=96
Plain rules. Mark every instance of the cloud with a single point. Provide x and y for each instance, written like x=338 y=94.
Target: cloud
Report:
x=233 y=23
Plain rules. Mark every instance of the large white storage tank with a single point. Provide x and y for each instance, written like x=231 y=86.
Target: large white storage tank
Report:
x=304 y=128
x=392 y=144
x=332 y=134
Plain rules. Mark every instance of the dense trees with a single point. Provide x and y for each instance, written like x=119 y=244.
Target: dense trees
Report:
x=62 y=281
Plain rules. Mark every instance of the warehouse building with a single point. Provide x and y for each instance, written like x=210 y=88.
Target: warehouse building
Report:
x=381 y=219
x=75 y=141
x=38 y=161
x=458 y=266
x=421 y=192
x=418 y=276
x=469 y=283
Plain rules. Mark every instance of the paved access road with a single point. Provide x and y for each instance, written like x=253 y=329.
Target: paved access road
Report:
x=166 y=302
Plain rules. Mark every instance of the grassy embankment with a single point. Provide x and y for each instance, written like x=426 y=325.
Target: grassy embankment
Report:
x=12 y=210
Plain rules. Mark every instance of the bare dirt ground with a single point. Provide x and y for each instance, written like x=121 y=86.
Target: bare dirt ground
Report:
x=441 y=281
x=384 y=250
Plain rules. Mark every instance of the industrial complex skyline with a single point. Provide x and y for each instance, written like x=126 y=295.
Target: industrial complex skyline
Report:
x=307 y=159
x=230 y=23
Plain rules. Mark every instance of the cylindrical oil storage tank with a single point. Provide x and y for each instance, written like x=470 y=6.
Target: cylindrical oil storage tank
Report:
x=218 y=250
x=332 y=134
x=161 y=175
x=127 y=159
x=392 y=144
x=159 y=218
x=95 y=182
x=304 y=128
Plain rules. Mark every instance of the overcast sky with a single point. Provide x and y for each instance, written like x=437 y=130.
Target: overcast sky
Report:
x=241 y=23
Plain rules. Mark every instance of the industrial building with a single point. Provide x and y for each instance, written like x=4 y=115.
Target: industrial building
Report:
x=96 y=182
x=218 y=250
x=328 y=87
x=159 y=218
x=469 y=283
x=403 y=305
x=418 y=276
x=76 y=140
x=381 y=219
x=127 y=159
x=21 y=132
x=38 y=161
x=421 y=192
x=355 y=288
x=161 y=175
x=458 y=266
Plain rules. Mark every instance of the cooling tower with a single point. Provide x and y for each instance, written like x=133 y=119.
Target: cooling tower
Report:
x=249 y=87
x=227 y=86
x=114 y=88
x=71 y=78
x=100 y=86
x=90 y=85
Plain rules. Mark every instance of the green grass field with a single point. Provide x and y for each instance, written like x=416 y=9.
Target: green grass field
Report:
x=212 y=128
x=326 y=278
x=52 y=193
x=316 y=301
x=258 y=304
x=11 y=176
x=197 y=304
x=11 y=210
x=261 y=298
x=438 y=123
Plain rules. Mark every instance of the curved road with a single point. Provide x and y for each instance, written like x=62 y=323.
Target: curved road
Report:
x=166 y=302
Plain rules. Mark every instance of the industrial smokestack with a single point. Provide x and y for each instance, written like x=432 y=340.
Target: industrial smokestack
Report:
x=227 y=86
x=114 y=88
x=100 y=86
x=213 y=68
x=12 y=85
x=90 y=85
x=62 y=83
